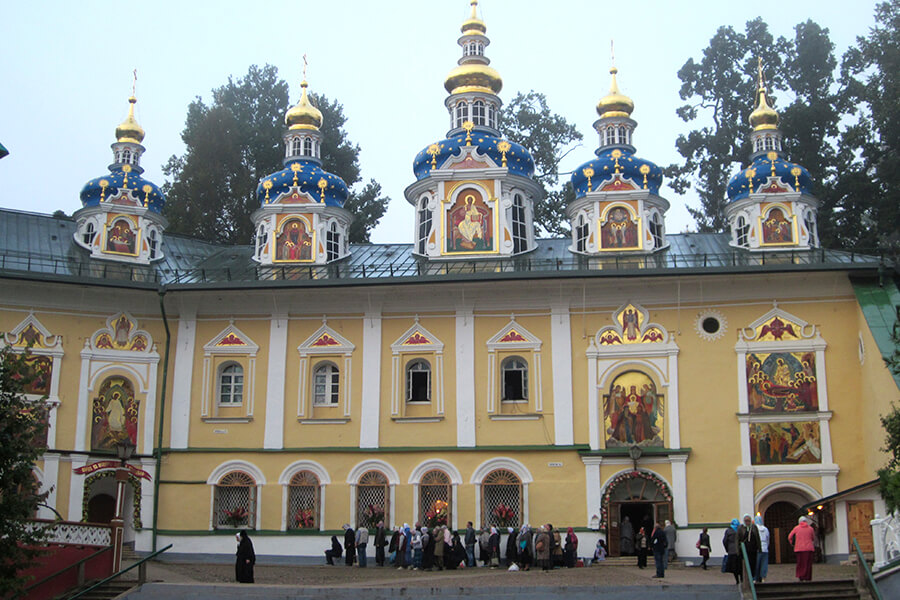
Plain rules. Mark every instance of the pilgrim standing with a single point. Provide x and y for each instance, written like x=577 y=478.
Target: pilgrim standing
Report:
x=470 y=540
x=512 y=554
x=494 y=542
x=659 y=543
x=703 y=546
x=733 y=560
x=438 y=548
x=393 y=545
x=556 y=549
x=380 y=543
x=802 y=537
x=762 y=559
x=362 y=540
x=671 y=537
x=626 y=537
x=484 y=545
x=542 y=549
x=246 y=558
x=525 y=542
x=571 y=548
x=427 y=549
x=642 y=543
x=748 y=534
x=349 y=545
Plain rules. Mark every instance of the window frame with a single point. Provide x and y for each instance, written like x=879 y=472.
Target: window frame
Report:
x=520 y=365
x=222 y=372
x=519 y=225
x=332 y=384
x=409 y=370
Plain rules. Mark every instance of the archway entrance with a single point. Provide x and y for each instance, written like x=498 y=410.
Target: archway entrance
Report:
x=780 y=518
x=634 y=500
x=101 y=508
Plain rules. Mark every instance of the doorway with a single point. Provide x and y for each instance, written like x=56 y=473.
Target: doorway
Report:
x=101 y=509
x=643 y=498
x=639 y=514
x=780 y=518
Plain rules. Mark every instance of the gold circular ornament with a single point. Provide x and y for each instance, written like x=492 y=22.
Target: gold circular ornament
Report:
x=588 y=172
x=616 y=154
x=644 y=170
x=504 y=146
x=126 y=168
x=146 y=189
x=772 y=155
x=295 y=167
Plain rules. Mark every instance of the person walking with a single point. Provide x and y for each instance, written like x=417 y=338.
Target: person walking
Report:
x=470 y=540
x=362 y=541
x=438 y=548
x=703 y=546
x=659 y=544
x=245 y=558
x=542 y=549
x=512 y=547
x=671 y=538
x=349 y=545
x=803 y=539
x=732 y=550
x=748 y=535
x=626 y=537
x=380 y=543
x=762 y=559
x=571 y=550
x=641 y=545
x=335 y=552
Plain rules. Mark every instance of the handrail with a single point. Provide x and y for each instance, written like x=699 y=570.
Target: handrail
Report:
x=122 y=572
x=747 y=585
x=865 y=573
x=72 y=566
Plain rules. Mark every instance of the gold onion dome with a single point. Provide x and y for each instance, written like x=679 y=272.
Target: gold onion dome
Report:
x=304 y=115
x=473 y=25
x=763 y=116
x=129 y=130
x=473 y=77
x=615 y=103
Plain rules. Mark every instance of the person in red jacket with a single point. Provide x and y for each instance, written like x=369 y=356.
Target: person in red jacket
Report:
x=802 y=537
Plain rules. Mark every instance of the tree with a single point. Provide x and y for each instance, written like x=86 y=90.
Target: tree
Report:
x=721 y=88
x=22 y=426
x=889 y=476
x=237 y=140
x=528 y=120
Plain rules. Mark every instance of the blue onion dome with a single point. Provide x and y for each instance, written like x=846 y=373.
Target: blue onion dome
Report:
x=309 y=177
x=591 y=175
x=754 y=177
x=516 y=158
x=121 y=177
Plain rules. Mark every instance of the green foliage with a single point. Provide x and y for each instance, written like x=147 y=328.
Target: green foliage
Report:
x=237 y=140
x=22 y=427
x=889 y=476
x=528 y=120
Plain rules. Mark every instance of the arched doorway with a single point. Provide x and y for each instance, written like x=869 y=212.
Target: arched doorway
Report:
x=633 y=500
x=99 y=501
x=780 y=518
x=101 y=508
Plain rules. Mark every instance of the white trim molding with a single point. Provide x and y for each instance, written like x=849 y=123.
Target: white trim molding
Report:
x=417 y=341
x=393 y=481
x=284 y=480
x=235 y=465
x=234 y=343
x=325 y=342
x=510 y=464
x=514 y=338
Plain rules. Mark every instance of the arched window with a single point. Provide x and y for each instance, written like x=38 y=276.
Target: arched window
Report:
x=418 y=381
x=296 y=146
x=307 y=146
x=303 y=501
x=154 y=243
x=519 y=231
x=118 y=155
x=742 y=231
x=478 y=112
x=261 y=239
x=462 y=112
x=234 y=501
x=435 y=499
x=656 y=230
x=326 y=385
x=424 y=224
x=501 y=499
x=515 y=379
x=332 y=243
x=372 y=499
x=810 y=222
x=231 y=384
x=609 y=136
x=126 y=156
x=582 y=231
x=89 y=232
x=492 y=115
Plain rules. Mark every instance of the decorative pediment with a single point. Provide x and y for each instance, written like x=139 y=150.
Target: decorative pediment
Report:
x=469 y=158
x=231 y=340
x=777 y=325
x=417 y=339
x=513 y=337
x=122 y=334
x=617 y=183
x=125 y=198
x=326 y=341
x=32 y=333
x=774 y=185
x=631 y=326
x=294 y=196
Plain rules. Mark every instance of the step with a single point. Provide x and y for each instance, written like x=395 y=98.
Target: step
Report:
x=829 y=589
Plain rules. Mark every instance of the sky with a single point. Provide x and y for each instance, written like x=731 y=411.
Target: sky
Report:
x=66 y=74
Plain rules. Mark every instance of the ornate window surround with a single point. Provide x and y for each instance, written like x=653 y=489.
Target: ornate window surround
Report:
x=513 y=340
x=430 y=349
x=284 y=480
x=325 y=344
x=437 y=464
x=223 y=469
x=509 y=464
x=393 y=481
x=230 y=345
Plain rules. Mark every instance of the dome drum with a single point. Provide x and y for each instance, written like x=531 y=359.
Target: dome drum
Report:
x=120 y=232
x=300 y=234
x=629 y=224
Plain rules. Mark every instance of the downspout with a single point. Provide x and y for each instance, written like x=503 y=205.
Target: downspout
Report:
x=157 y=451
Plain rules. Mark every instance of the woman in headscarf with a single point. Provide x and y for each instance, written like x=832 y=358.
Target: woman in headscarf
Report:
x=484 y=545
x=626 y=537
x=642 y=543
x=511 y=548
x=402 y=545
x=349 y=545
x=803 y=538
x=392 y=546
x=732 y=550
x=335 y=552
x=438 y=536
x=571 y=552
x=525 y=542
x=762 y=559
x=407 y=533
x=246 y=558
x=494 y=542
x=542 y=549
x=427 y=549
x=459 y=551
x=448 y=547
x=703 y=546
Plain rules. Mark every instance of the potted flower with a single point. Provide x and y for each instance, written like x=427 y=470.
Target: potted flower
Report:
x=372 y=515
x=437 y=514
x=304 y=519
x=504 y=515
x=237 y=516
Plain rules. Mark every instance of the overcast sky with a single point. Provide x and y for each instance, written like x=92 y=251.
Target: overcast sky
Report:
x=66 y=71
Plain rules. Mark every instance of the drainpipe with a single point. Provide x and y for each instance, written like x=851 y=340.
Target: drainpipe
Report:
x=157 y=451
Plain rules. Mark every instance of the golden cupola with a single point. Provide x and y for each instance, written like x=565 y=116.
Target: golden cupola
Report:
x=304 y=115
x=474 y=73
x=128 y=130
x=763 y=116
x=615 y=103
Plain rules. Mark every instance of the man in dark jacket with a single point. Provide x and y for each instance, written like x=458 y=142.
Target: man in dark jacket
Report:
x=659 y=544
x=349 y=545
x=748 y=533
x=380 y=543
x=470 y=540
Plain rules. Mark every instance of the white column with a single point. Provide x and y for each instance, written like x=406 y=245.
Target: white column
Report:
x=76 y=490
x=50 y=484
x=592 y=486
x=183 y=380
x=84 y=407
x=745 y=491
x=465 y=378
x=370 y=410
x=274 y=435
x=679 y=493
x=841 y=529
x=593 y=400
x=674 y=422
x=561 y=365
x=150 y=411
x=825 y=442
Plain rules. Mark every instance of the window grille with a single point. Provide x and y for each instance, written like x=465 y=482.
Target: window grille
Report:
x=296 y=145
x=231 y=384
x=501 y=492
x=418 y=381
x=303 y=501
x=235 y=501
x=435 y=499
x=519 y=231
x=462 y=111
x=326 y=385
x=372 y=499
x=515 y=379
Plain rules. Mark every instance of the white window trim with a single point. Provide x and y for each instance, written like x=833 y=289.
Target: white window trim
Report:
x=223 y=469
x=393 y=480
x=308 y=352
x=211 y=351
x=284 y=480
x=532 y=345
x=402 y=354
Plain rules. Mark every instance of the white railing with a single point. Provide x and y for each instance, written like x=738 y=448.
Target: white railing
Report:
x=69 y=532
x=886 y=535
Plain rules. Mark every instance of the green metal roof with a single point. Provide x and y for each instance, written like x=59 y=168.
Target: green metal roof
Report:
x=37 y=246
x=879 y=301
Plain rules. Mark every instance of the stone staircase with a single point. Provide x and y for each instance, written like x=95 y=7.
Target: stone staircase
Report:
x=833 y=589
x=111 y=590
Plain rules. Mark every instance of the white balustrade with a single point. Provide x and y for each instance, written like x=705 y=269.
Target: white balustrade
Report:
x=886 y=535
x=68 y=532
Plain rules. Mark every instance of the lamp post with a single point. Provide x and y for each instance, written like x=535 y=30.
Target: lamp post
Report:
x=124 y=450
x=635 y=453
